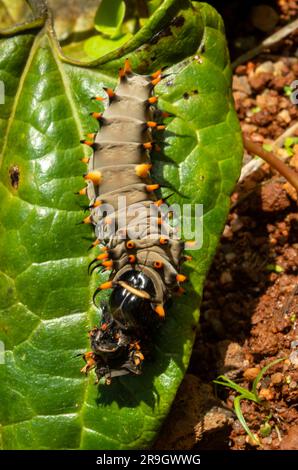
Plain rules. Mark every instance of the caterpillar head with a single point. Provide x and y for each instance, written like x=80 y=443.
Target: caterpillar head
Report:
x=131 y=297
x=115 y=350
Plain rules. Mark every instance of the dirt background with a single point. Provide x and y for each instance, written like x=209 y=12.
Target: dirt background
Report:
x=249 y=313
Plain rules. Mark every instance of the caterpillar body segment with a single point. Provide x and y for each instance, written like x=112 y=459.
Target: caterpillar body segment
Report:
x=142 y=254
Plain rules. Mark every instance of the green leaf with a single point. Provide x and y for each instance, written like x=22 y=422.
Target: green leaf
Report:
x=109 y=17
x=98 y=45
x=261 y=373
x=275 y=268
x=226 y=382
x=13 y=11
x=46 y=294
x=239 y=414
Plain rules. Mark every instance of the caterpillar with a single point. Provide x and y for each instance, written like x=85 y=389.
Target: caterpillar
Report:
x=144 y=267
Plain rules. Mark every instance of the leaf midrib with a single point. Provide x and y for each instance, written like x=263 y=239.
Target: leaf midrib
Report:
x=35 y=45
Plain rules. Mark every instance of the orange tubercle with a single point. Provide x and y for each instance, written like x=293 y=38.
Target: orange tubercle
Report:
x=121 y=73
x=132 y=259
x=160 y=311
x=108 y=264
x=85 y=160
x=151 y=124
x=97 y=203
x=106 y=285
x=181 y=278
x=190 y=244
x=156 y=80
x=180 y=291
x=127 y=66
x=156 y=74
x=159 y=202
x=143 y=169
x=83 y=191
x=152 y=187
x=87 y=220
x=152 y=99
x=94 y=176
x=96 y=115
x=110 y=92
x=158 y=264
x=130 y=244
x=163 y=241
x=147 y=145
x=102 y=256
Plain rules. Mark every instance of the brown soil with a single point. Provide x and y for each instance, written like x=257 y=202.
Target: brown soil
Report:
x=249 y=312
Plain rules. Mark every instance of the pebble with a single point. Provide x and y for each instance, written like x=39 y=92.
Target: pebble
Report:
x=227 y=233
x=266 y=67
x=241 y=84
x=230 y=257
x=251 y=373
x=284 y=115
x=294 y=358
x=277 y=378
x=266 y=394
x=236 y=225
x=226 y=277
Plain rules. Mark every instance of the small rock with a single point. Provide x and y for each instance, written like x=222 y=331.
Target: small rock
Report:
x=258 y=82
x=227 y=233
x=269 y=101
x=294 y=358
x=290 y=441
x=294 y=159
x=215 y=419
x=240 y=70
x=236 y=225
x=291 y=191
x=284 y=116
x=251 y=373
x=241 y=84
x=231 y=358
x=273 y=197
x=226 y=277
x=230 y=257
x=266 y=67
x=280 y=68
x=195 y=413
x=266 y=394
x=277 y=378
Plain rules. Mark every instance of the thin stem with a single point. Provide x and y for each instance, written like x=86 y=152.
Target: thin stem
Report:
x=37 y=23
x=267 y=43
x=272 y=160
